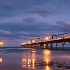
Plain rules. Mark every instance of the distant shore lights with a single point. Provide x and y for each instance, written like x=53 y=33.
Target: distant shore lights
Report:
x=1 y=43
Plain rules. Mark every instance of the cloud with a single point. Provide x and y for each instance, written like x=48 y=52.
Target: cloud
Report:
x=17 y=20
x=22 y=33
x=41 y=10
x=65 y=1
x=31 y=2
x=64 y=26
x=11 y=20
x=29 y=27
x=29 y=19
x=15 y=35
x=23 y=19
x=10 y=4
x=5 y=33
x=6 y=4
x=7 y=7
x=13 y=38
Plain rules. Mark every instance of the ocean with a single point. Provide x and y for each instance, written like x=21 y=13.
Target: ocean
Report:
x=30 y=57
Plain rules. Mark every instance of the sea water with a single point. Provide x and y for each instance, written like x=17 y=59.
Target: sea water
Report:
x=27 y=57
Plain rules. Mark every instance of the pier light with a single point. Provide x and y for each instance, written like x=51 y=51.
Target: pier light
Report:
x=33 y=41
x=46 y=38
x=68 y=36
x=29 y=42
x=36 y=42
x=23 y=43
x=41 y=41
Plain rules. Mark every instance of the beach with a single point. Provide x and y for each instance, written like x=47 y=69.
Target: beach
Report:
x=25 y=58
x=14 y=68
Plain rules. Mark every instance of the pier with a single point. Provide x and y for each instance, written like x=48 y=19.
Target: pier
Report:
x=45 y=41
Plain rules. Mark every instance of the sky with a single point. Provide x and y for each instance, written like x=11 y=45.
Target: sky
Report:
x=20 y=20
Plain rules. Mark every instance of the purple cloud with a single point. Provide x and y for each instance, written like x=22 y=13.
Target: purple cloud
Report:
x=6 y=4
x=22 y=33
x=41 y=10
x=65 y=1
x=29 y=19
x=15 y=35
x=5 y=33
x=64 y=26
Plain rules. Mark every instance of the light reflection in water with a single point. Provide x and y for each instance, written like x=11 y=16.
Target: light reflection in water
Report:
x=28 y=59
x=47 y=54
x=1 y=59
x=46 y=58
x=47 y=68
x=24 y=61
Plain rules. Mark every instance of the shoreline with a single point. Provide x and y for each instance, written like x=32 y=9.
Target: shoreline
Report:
x=14 y=68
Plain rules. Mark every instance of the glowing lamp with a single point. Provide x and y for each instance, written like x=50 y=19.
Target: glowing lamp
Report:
x=33 y=41
x=28 y=42
x=23 y=43
x=46 y=38
x=1 y=43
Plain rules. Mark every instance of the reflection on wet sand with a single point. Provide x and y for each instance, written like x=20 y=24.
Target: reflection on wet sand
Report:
x=46 y=58
x=1 y=60
x=47 y=54
x=28 y=59
x=47 y=68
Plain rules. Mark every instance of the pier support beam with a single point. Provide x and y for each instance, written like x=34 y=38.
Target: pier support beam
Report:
x=44 y=46
x=47 y=46
x=51 y=45
x=63 y=45
x=41 y=45
x=31 y=46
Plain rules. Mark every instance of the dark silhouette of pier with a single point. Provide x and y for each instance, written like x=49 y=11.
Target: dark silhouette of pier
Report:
x=44 y=41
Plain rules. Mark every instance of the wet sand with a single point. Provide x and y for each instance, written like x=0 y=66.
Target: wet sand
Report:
x=14 y=68
x=24 y=59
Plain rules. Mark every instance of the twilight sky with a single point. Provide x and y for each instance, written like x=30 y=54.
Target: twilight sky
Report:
x=22 y=19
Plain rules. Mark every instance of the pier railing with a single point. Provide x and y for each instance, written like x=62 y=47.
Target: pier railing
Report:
x=43 y=42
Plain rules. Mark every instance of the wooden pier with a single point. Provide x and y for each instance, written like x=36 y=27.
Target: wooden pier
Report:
x=46 y=40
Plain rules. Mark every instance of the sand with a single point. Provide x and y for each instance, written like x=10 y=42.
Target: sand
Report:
x=14 y=68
